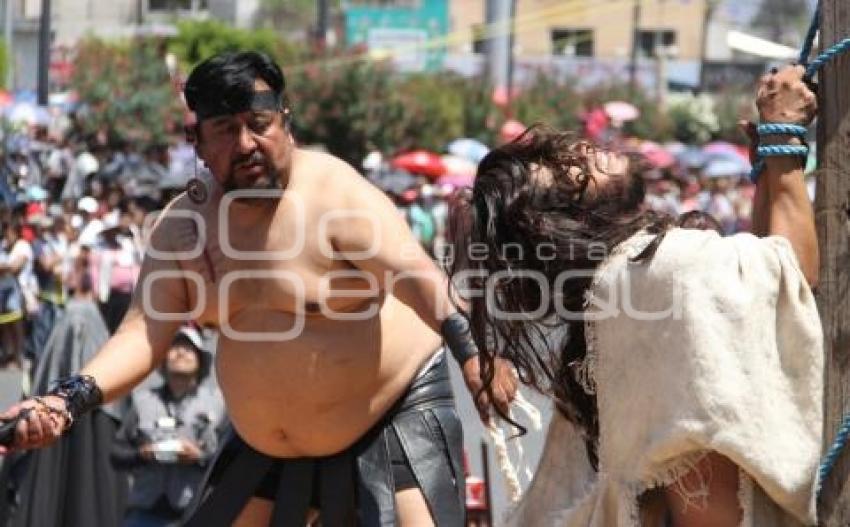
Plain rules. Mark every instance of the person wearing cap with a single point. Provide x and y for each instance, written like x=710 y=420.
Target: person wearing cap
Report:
x=168 y=436
x=87 y=208
x=332 y=319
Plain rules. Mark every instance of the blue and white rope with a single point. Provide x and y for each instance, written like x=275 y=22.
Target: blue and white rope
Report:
x=826 y=56
x=783 y=150
x=834 y=451
x=782 y=129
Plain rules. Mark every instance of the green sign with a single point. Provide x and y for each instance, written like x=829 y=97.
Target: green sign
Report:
x=409 y=31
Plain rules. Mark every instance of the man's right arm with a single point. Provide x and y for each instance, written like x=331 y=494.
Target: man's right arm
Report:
x=138 y=346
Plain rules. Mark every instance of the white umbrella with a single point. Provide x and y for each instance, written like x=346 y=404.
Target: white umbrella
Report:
x=621 y=111
x=28 y=113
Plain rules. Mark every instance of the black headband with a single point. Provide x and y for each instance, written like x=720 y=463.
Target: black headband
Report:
x=258 y=100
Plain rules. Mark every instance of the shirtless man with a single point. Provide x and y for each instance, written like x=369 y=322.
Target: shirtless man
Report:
x=330 y=359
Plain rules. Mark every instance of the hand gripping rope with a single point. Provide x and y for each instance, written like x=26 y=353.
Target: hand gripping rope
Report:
x=812 y=69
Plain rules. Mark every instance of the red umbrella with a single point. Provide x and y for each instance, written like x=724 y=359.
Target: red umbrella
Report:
x=421 y=162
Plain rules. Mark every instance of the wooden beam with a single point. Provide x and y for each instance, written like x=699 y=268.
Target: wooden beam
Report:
x=832 y=207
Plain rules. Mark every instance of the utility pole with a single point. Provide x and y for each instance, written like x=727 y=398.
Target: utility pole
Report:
x=44 y=53
x=633 y=64
x=707 y=17
x=500 y=20
x=662 y=54
x=8 y=36
x=322 y=16
x=832 y=210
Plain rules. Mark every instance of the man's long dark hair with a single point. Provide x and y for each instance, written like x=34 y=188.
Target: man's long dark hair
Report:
x=536 y=209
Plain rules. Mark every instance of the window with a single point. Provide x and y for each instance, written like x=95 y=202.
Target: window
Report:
x=572 y=42
x=30 y=9
x=479 y=39
x=650 y=41
x=174 y=5
x=410 y=4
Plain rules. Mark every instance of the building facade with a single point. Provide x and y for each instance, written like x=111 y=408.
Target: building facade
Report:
x=72 y=20
x=590 y=28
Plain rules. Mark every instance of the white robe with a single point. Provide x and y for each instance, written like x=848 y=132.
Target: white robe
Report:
x=715 y=344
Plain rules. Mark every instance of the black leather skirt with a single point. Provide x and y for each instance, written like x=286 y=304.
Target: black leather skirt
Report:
x=355 y=487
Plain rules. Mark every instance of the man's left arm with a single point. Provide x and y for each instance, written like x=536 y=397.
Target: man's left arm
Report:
x=373 y=237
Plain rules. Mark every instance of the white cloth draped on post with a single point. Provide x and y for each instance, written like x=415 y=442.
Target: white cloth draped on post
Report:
x=714 y=344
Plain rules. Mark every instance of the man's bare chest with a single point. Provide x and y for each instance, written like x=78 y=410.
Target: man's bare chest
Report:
x=275 y=267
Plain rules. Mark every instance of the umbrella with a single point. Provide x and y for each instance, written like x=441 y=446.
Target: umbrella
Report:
x=732 y=156
x=458 y=166
x=675 y=147
x=692 y=157
x=467 y=148
x=725 y=149
x=621 y=111
x=656 y=155
x=724 y=168
x=421 y=162
x=393 y=182
x=457 y=180
x=28 y=113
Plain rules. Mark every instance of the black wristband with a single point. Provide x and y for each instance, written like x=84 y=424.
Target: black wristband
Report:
x=80 y=392
x=458 y=337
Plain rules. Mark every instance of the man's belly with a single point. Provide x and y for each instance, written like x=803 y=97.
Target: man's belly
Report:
x=316 y=394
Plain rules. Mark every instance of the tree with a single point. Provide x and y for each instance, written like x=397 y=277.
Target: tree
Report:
x=127 y=91
x=783 y=21
x=197 y=40
x=4 y=64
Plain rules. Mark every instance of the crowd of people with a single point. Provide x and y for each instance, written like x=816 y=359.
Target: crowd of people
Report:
x=73 y=210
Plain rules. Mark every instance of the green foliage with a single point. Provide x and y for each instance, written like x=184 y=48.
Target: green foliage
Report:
x=653 y=123
x=4 y=65
x=549 y=101
x=731 y=108
x=351 y=107
x=127 y=89
x=198 y=40
x=694 y=117
x=433 y=111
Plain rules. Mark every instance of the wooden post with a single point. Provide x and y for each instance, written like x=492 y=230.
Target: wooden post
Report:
x=832 y=212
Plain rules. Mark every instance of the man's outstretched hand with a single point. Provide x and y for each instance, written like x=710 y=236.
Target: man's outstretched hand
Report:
x=41 y=425
x=504 y=387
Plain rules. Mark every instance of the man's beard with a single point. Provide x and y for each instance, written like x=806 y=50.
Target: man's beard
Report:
x=268 y=180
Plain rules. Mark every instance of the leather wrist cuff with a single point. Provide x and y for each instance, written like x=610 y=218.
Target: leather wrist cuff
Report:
x=458 y=337
x=80 y=392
